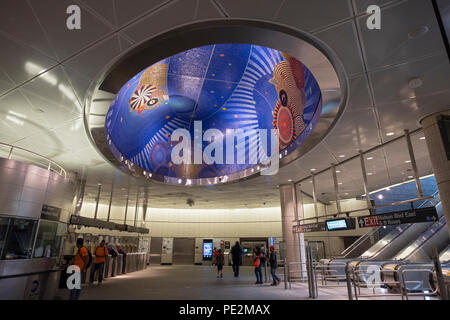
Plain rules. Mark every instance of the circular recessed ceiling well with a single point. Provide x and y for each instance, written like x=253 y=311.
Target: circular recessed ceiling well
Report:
x=218 y=112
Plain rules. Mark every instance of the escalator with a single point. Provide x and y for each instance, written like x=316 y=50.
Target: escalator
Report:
x=417 y=255
x=395 y=242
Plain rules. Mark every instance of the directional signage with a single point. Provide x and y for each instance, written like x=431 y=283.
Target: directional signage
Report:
x=399 y=217
x=50 y=213
x=310 y=227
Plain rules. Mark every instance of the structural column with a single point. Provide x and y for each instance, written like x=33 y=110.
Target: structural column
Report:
x=289 y=215
x=439 y=160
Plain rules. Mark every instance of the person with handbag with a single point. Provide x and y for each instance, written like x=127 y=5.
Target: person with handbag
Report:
x=257 y=256
x=100 y=252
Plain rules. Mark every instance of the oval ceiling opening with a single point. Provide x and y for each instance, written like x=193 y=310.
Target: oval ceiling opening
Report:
x=213 y=114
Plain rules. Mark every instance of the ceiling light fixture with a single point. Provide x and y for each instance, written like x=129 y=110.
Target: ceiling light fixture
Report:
x=313 y=169
x=390 y=134
x=380 y=196
x=369 y=158
x=422 y=138
x=342 y=156
x=415 y=83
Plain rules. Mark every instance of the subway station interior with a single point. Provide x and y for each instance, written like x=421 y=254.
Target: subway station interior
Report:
x=314 y=133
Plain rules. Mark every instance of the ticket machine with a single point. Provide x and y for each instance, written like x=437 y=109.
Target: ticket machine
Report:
x=167 y=251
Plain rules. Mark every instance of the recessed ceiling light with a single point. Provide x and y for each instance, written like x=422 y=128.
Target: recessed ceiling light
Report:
x=369 y=158
x=290 y=180
x=380 y=196
x=422 y=138
x=338 y=171
x=407 y=161
x=390 y=134
x=346 y=193
x=369 y=173
x=342 y=156
x=415 y=83
x=313 y=169
x=339 y=183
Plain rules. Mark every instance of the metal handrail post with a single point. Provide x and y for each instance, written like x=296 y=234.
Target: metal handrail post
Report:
x=440 y=278
x=285 y=273
x=10 y=153
x=349 y=283
x=354 y=283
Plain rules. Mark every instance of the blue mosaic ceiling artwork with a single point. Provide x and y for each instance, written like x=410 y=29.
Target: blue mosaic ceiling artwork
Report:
x=226 y=86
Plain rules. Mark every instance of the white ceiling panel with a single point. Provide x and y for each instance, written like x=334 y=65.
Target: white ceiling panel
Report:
x=341 y=39
x=356 y=130
x=392 y=115
x=127 y=13
x=103 y=10
x=310 y=15
x=168 y=16
x=207 y=10
x=17 y=119
x=392 y=44
x=85 y=67
x=362 y=5
x=257 y=9
x=319 y=158
x=67 y=42
x=17 y=19
x=393 y=84
x=21 y=62
x=52 y=91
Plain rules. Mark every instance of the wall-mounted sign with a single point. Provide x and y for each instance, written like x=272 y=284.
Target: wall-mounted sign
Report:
x=310 y=227
x=50 y=213
x=399 y=217
x=340 y=224
x=90 y=222
x=121 y=227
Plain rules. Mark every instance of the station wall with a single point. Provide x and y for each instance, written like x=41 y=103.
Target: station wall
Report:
x=229 y=223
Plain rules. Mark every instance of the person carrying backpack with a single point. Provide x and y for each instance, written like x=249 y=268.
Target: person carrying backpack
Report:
x=100 y=252
x=82 y=260
x=257 y=255
x=220 y=259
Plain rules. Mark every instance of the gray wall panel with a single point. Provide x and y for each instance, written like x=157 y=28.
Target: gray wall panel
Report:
x=25 y=188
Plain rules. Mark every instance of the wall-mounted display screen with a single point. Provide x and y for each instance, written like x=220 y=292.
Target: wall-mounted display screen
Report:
x=207 y=249
x=340 y=224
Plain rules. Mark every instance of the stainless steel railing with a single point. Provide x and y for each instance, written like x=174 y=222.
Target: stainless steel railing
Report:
x=47 y=163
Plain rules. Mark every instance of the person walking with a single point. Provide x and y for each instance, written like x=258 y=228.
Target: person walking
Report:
x=257 y=264
x=236 y=256
x=81 y=260
x=220 y=260
x=273 y=266
x=100 y=252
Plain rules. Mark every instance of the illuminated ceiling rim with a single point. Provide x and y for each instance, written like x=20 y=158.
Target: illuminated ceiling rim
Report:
x=317 y=57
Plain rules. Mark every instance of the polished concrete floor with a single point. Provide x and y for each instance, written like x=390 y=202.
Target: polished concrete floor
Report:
x=199 y=283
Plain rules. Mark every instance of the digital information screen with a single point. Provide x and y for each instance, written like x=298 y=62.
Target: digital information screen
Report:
x=340 y=224
x=207 y=250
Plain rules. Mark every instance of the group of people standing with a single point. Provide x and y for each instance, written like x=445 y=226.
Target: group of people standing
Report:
x=259 y=259
x=83 y=257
